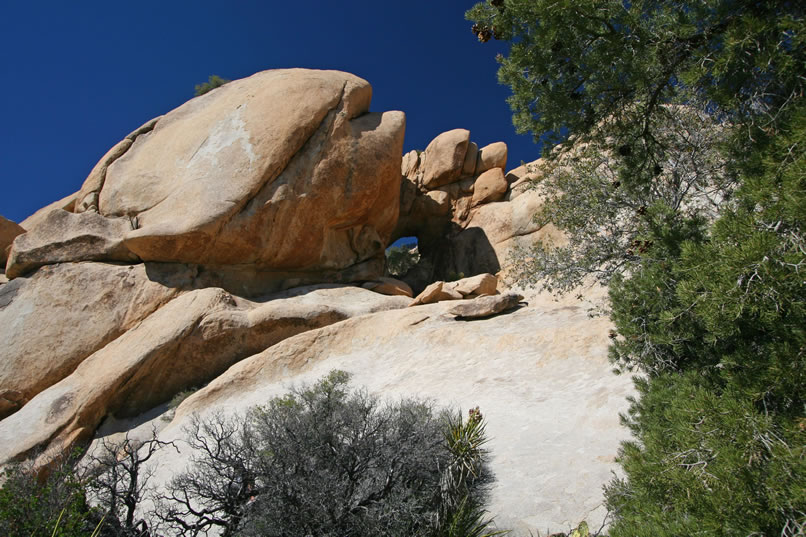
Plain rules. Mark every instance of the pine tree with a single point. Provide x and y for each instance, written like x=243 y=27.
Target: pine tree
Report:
x=677 y=132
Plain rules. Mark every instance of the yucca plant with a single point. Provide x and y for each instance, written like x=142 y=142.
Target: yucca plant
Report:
x=469 y=520
x=465 y=480
x=95 y=533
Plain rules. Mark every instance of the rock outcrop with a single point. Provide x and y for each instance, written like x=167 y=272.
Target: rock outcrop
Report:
x=184 y=258
x=475 y=286
x=60 y=315
x=475 y=217
x=485 y=306
x=187 y=342
x=282 y=177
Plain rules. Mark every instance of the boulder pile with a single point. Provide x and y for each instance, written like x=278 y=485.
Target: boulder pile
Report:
x=465 y=210
x=236 y=245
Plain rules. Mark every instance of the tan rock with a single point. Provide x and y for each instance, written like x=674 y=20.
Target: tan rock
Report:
x=87 y=198
x=436 y=292
x=187 y=342
x=540 y=376
x=492 y=156
x=434 y=202
x=53 y=320
x=8 y=232
x=65 y=204
x=466 y=186
x=449 y=294
x=492 y=232
x=410 y=164
x=148 y=126
x=283 y=170
x=490 y=186
x=429 y=294
x=523 y=178
x=481 y=284
x=284 y=174
x=445 y=158
x=389 y=286
x=485 y=306
x=62 y=237
x=469 y=167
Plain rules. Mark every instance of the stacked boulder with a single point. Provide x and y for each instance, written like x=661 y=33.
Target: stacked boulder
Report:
x=450 y=177
x=465 y=210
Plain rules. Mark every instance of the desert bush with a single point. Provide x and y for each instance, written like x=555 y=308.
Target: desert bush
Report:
x=35 y=503
x=213 y=82
x=323 y=460
x=327 y=460
x=118 y=483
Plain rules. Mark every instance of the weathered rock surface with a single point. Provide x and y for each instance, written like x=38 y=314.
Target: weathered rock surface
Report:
x=285 y=172
x=445 y=158
x=490 y=186
x=53 y=320
x=8 y=231
x=436 y=292
x=492 y=156
x=539 y=374
x=63 y=236
x=481 y=284
x=87 y=197
x=471 y=158
x=185 y=343
x=485 y=306
x=389 y=286
x=268 y=183
x=67 y=203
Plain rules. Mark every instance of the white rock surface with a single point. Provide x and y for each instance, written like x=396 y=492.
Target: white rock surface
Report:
x=540 y=376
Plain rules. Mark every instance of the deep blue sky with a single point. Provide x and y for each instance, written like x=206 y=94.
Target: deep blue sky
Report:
x=79 y=76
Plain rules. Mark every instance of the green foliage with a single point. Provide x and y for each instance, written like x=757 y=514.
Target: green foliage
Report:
x=462 y=512
x=35 y=505
x=709 y=462
x=680 y=181
x=401 y=259
x=622 y=220
x=328 y=460
x=468 y=520
x=454 y=276
x=213 y=82
x=573 y=63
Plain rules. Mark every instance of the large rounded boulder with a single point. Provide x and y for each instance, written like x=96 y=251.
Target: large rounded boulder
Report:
x=284 y=175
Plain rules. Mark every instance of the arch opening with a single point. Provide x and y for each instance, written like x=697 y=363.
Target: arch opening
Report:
x=402 y=256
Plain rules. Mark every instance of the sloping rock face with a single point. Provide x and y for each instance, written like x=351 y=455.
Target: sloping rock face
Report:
x=284 y=176
x=62 y=314
x=469 y=220
x=539 y=374
x=187 y=342
x=267 y=183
